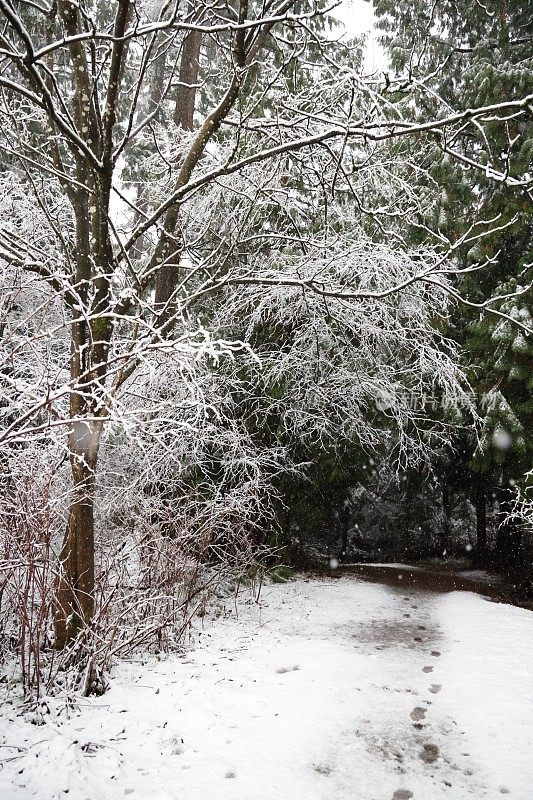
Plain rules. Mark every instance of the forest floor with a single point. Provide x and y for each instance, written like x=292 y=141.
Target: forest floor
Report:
x=328 y=689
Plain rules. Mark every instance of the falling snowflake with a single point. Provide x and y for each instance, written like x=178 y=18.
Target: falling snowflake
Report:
x=501 y=439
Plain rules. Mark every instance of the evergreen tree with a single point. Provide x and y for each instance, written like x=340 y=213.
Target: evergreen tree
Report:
x=481 y=52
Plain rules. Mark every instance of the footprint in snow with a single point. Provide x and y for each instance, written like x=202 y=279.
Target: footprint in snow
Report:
x=283 y=670
x=418 y=713
x=435 y=653
x=402 y=794
x=430 y=753
x=177 y=748
x=427 y=669
x=435 y=688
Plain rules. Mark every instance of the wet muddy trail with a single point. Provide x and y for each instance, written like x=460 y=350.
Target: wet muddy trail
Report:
x=413 y=628
x=438 y=578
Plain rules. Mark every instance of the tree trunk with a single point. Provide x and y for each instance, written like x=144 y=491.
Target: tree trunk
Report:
x=345 y=515
x=509 y=547
x=168 y=274
x=75 y=582
x=480 y=503
x=406 y=515
x=155 y=97
x=446 y=515
x=188 y=76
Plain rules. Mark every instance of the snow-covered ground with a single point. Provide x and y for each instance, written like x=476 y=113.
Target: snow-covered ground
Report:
x=329 y=690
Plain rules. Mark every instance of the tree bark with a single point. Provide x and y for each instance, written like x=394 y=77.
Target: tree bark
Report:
x=188 y=76
x=480 y=503
x=446 y=514
x=75 y=583
x=91 y=325
x=509 y=549
x=168 y=274
x=345 y=515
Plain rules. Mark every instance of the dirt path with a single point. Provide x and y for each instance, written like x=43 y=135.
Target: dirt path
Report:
x=440 y=579
x=409 y=639
x=416 y=628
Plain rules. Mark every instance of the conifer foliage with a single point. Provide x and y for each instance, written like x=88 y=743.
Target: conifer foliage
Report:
x=482 y=52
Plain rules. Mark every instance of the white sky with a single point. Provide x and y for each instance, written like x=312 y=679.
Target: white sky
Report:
x=358 y=17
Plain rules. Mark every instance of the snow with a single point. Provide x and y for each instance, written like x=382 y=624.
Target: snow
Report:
x=317 y=693
x=482 y=576
x=489 y=678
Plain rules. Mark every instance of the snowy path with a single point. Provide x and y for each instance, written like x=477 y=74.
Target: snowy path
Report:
x=332 y=690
